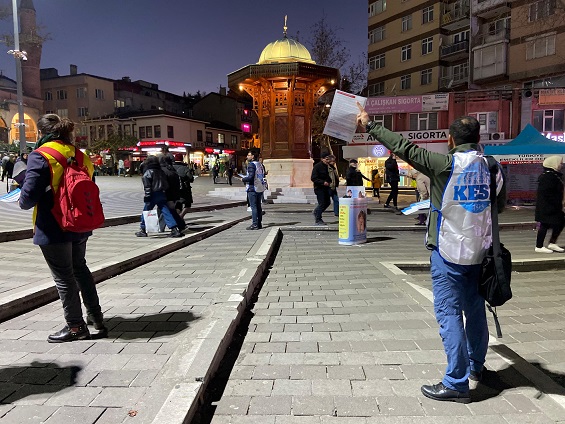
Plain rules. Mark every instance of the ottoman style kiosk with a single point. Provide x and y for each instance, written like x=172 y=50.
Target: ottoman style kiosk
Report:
x=285 y=86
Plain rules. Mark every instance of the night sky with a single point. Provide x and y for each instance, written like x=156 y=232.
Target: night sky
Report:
x=181 y=45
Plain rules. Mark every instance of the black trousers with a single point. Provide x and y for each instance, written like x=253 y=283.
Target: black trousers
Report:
x=542 y=232
x=324 y=200
x=393 y=196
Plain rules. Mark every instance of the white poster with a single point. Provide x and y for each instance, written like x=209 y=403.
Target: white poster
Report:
x=342 y=120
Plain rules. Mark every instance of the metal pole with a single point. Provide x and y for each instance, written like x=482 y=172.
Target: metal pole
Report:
x=18 y=57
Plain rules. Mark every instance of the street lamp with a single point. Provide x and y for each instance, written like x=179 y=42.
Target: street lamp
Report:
x=19 y=56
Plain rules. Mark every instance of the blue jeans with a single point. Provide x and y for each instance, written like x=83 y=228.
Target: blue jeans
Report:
x=335 y=200
x=158 y=198
x=455 y=292
x=256 y=208
x=71 y=274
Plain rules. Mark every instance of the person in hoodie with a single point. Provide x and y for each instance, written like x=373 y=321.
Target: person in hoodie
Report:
x=549 y=205
x=154 y=185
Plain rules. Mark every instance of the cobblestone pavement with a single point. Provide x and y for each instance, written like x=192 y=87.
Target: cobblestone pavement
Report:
x=340 y=334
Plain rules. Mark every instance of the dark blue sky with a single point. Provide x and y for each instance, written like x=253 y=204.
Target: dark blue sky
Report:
x=181 y=45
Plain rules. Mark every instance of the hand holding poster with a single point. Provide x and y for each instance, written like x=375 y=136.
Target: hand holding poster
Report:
x=342 y=120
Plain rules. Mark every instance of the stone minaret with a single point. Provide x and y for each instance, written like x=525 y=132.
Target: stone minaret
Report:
x=31 y=42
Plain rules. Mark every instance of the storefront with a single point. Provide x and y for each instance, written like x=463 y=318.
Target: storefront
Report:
x=372 y=155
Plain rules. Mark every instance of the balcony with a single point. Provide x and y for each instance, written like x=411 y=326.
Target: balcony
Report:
x=492 y=36
x=487 y=9
x=454 y=80
x=490 y=63
x=455 y=15
x=455 y=51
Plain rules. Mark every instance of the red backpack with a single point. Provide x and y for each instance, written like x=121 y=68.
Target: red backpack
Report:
x=77 y=207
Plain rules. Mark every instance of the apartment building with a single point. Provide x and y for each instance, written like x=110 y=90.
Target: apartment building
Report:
x=417 y=46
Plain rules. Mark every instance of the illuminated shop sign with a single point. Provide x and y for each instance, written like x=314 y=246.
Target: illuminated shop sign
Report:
x=426 y=136
x=555 y=136
x=155 y=143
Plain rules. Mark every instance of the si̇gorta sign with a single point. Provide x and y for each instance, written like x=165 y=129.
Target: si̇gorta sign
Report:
x=407 y=104
x=425 y=136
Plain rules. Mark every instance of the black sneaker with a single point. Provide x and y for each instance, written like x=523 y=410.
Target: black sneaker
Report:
x=141 y=233
x=68 y=334
x=175 y=233
x=253 y=227
x=96 y=320
x=386 y=206
x=320 y=222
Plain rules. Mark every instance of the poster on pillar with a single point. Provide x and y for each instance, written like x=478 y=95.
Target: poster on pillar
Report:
x=353 y=216
x=342 y=119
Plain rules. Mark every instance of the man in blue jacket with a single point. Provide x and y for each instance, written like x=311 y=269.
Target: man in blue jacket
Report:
x=255 y=186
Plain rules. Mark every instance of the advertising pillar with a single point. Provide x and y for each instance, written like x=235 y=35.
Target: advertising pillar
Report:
x=353 y=216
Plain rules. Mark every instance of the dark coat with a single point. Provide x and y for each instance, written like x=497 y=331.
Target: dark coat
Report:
x=354 y=177
x=391 y=171
x=320 y=174
x=549 y=202
x=186 y=178
x=154 y=179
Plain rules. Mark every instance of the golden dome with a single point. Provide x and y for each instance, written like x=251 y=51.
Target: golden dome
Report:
x=283 y=51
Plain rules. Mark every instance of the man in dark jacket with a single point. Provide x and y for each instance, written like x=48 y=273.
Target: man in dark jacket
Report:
x=173 y=193
x=154 y=186
x=392 y=177
x=354 y=177
x=322 y=181
x=186 y=178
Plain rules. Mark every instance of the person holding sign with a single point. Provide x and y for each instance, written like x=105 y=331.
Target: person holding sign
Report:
x=460 y=208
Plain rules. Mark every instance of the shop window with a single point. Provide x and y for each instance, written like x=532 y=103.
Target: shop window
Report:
x=423 y=121
x=384 y=120
x=549 y=120
x=488 y=121
x=170 y=131
x=157 y=131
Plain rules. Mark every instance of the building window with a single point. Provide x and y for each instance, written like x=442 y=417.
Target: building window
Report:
x=127 y=129
x=549 y=120
x=406 y=23
x=63 y=113
x=461 y=36
x=377 y=7
x=427 y=45
x=48 y=96
x=426 y=77
x=92 y=132
x=119 y=103
x=541 y=46
x=81 y=92
x=208 y=137
x=406 y=53
x=423 y=121
x=82 y=111
x=488 y=122
x=170 y=131
x=405 y=82
x=99 y=94
x=377 y=34
x=384 y=120
x=157 y=131
x=234 y=140
x=141 y=132
x=377 y=89
x=149 y=132
x=101 y=132
x=199 y=135
x=427 y=14
x=221 y=138
x=541 y=9
x=377 y=62
x=61 y=94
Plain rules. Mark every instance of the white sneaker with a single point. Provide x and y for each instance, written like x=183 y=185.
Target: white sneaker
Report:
x=543 y=250
x=555 y=248
x=249 y=209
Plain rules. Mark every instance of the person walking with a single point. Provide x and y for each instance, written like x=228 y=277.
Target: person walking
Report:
x=121 y=168
x=173 y=191
x=5 y=161
x=377 y=182
x=186 y=178
x=423 y=188
x=154 y=185
x=229 y=173
x=321 y=178
x=549 y=205
x=215 y=173
x=354 y=177
x=392 y=177
x=334 y=184
x=254 y=182
x=64 y=251
x=461 y=209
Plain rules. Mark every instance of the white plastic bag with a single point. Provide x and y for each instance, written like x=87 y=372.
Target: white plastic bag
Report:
x=154 y=221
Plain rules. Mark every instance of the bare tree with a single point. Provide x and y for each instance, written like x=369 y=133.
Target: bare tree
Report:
x=326 y=46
